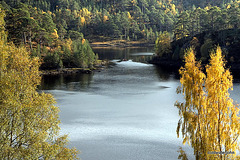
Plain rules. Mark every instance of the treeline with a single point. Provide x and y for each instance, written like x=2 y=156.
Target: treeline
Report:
x=203 y=29
x=38 y=31
x=54 y=29
x=209 y=19
x=124 y=19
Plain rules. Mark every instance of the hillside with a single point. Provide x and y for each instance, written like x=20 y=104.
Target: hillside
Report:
x=123 y=19
x=55 y=30
x=202 y=29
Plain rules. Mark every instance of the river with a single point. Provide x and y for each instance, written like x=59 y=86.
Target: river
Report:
x=124 y=112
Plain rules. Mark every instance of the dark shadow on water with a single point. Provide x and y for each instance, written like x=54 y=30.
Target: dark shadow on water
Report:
x=165 y=73
x=125 y=53
x=69 y=82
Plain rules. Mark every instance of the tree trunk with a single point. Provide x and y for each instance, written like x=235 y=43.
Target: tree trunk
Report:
x=24 y=37
x=30 y=39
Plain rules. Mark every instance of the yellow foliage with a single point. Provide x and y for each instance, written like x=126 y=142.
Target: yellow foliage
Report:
x=163 y=44
x=134 y=2
x=160 y=3
x=68 y=44
x=75 y=14
x=173 y=7
x=55 y=34
x=83 y=41
x=85 y=14
x=209 y=119
x=29 y=119
x=207 y=8
x=105 y=18
x=82 y=20
x=167 y=10
x=129 y=16
x=49 y=12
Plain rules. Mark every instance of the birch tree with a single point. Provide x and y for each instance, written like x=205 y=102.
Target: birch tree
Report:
x=29 y=120
x=209 y=119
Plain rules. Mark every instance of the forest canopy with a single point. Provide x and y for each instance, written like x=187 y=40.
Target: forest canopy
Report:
x=53 y=29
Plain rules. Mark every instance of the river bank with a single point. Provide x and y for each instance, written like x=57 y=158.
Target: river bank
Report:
x=66 y=71
x=115 y=49
x=122 y=43
x=175 y=65
x=100 y=66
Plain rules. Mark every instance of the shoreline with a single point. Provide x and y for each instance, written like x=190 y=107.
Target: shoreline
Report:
x=175 y=65
x=65 y=71
x=122 y=43
x=104 y=63
x=97 y=68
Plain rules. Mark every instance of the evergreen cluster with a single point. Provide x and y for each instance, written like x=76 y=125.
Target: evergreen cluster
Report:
x=124 y=19
x=203 y=29
x=40 y=31
x=48 y=26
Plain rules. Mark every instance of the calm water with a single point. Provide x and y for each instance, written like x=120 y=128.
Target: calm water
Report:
x=125 y=112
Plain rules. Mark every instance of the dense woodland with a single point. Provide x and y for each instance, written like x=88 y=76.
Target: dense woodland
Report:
x=55 y=29
x=203 y=29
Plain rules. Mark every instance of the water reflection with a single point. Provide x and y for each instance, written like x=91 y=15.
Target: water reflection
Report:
x=138 y=54
x=165 y=74
x=69 y=82
x=124 y=112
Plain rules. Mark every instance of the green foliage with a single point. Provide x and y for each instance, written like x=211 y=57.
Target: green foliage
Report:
x=105 y=17
x=163 y=44
x=52 y=61
x=209 y=19
x=83 y=55
x=45 y=33
x=176 y=54
x=206 y=49
x=50 y=23
x=29 y=120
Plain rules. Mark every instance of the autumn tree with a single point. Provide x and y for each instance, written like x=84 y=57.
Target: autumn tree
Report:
x=29 y=119
x=209 y=119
